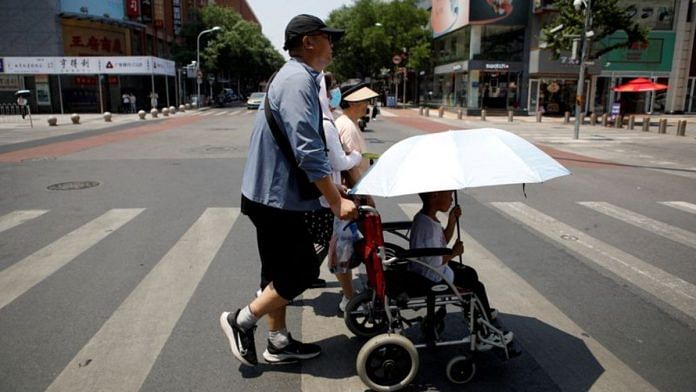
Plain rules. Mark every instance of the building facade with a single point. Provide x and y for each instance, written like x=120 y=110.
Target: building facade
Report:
x=81 y=28
x=489 y=55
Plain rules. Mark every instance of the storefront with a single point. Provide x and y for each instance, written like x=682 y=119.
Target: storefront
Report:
x=89 y=84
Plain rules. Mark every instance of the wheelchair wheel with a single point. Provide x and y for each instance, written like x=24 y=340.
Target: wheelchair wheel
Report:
x=362 y=319
x=387 y=362
x=461 y=369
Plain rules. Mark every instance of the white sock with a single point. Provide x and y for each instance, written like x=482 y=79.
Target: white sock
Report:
x=246 y=319
x=279 y=338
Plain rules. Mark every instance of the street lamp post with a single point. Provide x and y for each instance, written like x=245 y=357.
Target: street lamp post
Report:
x=198 y=63
x=580 y=95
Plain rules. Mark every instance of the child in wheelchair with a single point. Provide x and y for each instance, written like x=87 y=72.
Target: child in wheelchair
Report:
x=427 y=232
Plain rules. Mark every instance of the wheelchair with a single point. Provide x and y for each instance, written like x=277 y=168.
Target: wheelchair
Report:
x=389 y=360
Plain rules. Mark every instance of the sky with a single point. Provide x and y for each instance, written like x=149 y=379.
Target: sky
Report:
x=274 y=15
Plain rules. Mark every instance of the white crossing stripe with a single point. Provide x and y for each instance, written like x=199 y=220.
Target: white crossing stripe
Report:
x=670 y=232
x=236 y=113
x=511 y=294
x=125 y=348
x=221 y=113
x=207 y=113
x=18 y=278
x=16 y=218
x=668 y=288
x=681 y=205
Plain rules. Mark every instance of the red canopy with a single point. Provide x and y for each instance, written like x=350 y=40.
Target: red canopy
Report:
x=640 y=85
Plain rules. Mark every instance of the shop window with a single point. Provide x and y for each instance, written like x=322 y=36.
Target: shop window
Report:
x=502 y=42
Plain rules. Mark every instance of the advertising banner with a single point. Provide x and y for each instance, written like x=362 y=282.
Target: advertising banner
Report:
x=121 y=65
x=133 y=9
x=655 y=56
x=449 y=15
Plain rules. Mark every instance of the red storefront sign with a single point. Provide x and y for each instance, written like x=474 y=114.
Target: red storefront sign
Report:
x=133 y=8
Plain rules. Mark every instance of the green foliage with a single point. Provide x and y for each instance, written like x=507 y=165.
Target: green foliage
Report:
x=608 y=17
x=239 y=49
x=368 y=47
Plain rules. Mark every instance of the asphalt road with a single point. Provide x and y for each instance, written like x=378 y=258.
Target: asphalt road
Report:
x=119 y=286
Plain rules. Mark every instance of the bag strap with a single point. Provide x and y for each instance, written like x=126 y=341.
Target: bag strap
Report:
x=280 y=137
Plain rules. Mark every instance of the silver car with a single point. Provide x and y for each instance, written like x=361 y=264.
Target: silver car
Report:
x=255 y=100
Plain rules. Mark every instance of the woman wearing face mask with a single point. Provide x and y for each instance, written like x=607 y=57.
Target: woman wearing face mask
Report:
x=330 y=98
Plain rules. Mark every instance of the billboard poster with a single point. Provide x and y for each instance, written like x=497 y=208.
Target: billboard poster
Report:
x=499 y=12
x=449 y=15
x=112 y=8
x=656 y=55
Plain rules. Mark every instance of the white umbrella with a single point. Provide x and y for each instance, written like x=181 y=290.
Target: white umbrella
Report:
x=457 y=160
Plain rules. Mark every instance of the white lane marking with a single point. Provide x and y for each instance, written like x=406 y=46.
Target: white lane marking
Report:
x=18 y=278
x=16 y=218
x=222 y=113
x=207 y=113
x=386 y=113
x=665 y=287
x=662 y=229
x=681 y=205
x=236 y=113
x=125 y=348
x=511 y=294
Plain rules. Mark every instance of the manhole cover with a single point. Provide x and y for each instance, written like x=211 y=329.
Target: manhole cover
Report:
x=72 y=185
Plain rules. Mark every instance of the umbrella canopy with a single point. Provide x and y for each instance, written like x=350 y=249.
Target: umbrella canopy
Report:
x=639 y=85
x=457 y=160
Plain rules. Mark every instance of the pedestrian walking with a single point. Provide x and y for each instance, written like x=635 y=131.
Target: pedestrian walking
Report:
x=153 y=100
x=286 y=171
x=133 y=106
x=125 y=103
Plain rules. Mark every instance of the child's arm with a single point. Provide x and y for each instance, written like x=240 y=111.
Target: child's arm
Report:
x=454 y=214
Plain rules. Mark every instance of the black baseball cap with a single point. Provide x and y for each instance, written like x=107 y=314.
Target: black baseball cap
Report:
x=304 y=24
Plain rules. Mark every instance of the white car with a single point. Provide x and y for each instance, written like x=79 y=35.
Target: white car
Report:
x=255 y=100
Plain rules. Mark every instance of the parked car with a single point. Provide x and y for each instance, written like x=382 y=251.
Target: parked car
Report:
x=227 y=95
x=255 y=100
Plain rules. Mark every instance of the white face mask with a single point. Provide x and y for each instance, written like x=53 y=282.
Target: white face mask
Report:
x=335 y=97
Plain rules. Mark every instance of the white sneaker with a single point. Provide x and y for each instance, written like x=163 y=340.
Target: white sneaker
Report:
x=342 y=305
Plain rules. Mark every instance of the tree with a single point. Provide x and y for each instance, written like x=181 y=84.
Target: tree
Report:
x=238 y=51
x=608 y=17
x=375 y=31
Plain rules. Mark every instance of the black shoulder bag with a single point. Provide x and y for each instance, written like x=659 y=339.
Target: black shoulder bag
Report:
x=308 y=190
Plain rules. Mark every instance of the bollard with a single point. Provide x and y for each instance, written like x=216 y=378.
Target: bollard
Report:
x=420 y=111
x=154 y=113
x=141 y=114
x=441 y=111
x=107 y=116
x=593 y=119
x=662 y=128
x=566 y=118
x=646 y=124
x=483 y=115
x=52 y=121
x=165 y=112
x=172 y=110
x=427 y=112
x=188 y=106
x=75 y=118
x=618 y=123
x=538 y=117
x=605 y=120
x=681 y=128
x=182 y=108
x=631 y=122
x=510 y=115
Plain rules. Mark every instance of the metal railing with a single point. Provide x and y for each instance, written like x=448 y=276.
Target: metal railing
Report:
x=14 y=113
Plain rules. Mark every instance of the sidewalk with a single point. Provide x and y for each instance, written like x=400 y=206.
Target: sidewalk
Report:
x=15 y=130
x=665 y=152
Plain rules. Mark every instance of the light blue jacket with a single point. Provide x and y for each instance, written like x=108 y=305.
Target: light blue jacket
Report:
x=294 y=102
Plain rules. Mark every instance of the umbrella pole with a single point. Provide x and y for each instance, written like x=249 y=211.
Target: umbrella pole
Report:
x=456 y=203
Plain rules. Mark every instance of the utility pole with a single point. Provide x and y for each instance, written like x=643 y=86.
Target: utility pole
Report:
x=580 y=95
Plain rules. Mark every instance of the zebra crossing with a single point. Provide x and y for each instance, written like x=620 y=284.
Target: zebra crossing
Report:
x=223 y=112
x=151 y=311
